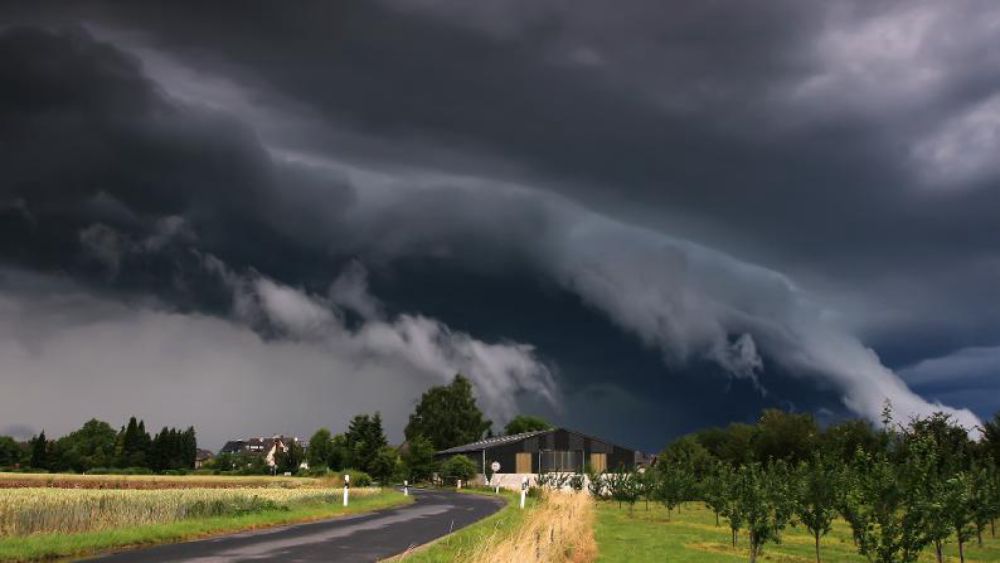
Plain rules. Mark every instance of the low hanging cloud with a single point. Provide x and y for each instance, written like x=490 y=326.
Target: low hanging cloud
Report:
x=500 y=372
x=152 y=359
x=688 y=301
x=692 y=302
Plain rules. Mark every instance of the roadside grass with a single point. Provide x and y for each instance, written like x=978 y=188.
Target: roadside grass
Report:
x=557 y=527
x=690 y=535
x=452 y=547
x=560 y=528
x=57 y=545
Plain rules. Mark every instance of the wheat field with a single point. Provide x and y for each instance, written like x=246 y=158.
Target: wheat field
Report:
x=26 y=511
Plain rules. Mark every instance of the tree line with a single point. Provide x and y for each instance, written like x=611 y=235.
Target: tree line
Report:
x=97 y=446
x=902 y=488
x=444 y=417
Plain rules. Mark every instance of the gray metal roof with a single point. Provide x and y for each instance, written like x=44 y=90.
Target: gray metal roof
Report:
x=501 y=440
x=493 y=442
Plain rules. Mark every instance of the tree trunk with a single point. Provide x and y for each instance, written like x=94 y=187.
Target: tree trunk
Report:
x=734 y=539
x=993 y=527
x=816 y=535
x=979 y=535
x=961 y=550
x=753 y=549
x=716 y=519
x=937 y=551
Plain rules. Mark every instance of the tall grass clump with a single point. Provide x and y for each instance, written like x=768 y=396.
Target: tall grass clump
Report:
x=560 y=528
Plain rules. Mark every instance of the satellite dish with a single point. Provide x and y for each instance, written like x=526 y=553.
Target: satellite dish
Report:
x=495 y=466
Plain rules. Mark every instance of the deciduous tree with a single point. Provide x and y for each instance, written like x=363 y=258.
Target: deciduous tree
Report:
x=448 y=416
x=525 y=423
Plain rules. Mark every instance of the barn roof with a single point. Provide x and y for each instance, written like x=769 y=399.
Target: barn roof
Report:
x=502 y=440
x=494 y=441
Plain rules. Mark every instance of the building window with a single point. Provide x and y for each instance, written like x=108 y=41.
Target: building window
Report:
x=561 y=461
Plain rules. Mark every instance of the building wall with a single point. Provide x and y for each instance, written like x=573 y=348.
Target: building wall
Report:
x=559 y=440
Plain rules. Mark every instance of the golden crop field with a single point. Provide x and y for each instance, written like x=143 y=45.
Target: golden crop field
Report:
x=71 y=481
x=32 y=510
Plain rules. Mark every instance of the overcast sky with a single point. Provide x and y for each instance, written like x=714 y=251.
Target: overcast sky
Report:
x=635 y=219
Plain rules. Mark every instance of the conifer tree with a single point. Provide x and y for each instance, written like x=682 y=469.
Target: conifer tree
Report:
x=39 y=452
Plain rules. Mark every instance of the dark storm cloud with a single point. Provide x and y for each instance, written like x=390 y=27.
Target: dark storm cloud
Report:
x=806 y=136
x=178 y=209
x=285 y=142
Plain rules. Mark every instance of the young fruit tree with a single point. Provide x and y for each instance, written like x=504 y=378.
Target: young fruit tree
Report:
x=623 y=487
x=886 y=506
x=647 y=482
x=982 y=497
x=672 y=485
x=732 y=508
x=815 y=493
x=713 y=489
x=957 y=509
x=597 y=484
x=763 y=498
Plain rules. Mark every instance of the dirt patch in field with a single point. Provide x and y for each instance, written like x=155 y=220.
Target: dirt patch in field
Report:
x=724 y=549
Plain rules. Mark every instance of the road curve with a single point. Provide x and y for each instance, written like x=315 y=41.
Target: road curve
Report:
x=362 y=537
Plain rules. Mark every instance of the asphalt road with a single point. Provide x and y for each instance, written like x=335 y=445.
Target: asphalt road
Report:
x=362 y=537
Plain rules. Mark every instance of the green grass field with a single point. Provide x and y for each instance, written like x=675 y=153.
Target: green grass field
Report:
x=493 y=528
x=55 y=545
x=691 y=535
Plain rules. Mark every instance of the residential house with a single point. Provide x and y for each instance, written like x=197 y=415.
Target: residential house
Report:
x=266 y=447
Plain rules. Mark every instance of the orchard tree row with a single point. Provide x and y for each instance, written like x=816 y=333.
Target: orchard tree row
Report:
x=902 y=489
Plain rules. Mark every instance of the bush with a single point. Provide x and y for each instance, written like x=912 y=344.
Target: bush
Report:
x=359 y=478
x=457 y=467
x=319 y=471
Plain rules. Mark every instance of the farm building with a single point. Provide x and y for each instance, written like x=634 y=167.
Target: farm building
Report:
x=543 y=451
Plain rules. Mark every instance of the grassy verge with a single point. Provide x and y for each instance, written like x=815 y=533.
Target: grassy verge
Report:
x=51 y=546
x=503 y=523
x=691 y=536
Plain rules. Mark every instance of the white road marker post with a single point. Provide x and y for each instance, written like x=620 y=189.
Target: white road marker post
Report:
x=406 y=488
x=347 y=486
x=524 y=489
x=459 y=483
x=495 y=466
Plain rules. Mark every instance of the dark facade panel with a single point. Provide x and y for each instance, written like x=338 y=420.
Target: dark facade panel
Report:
x=555 y=450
